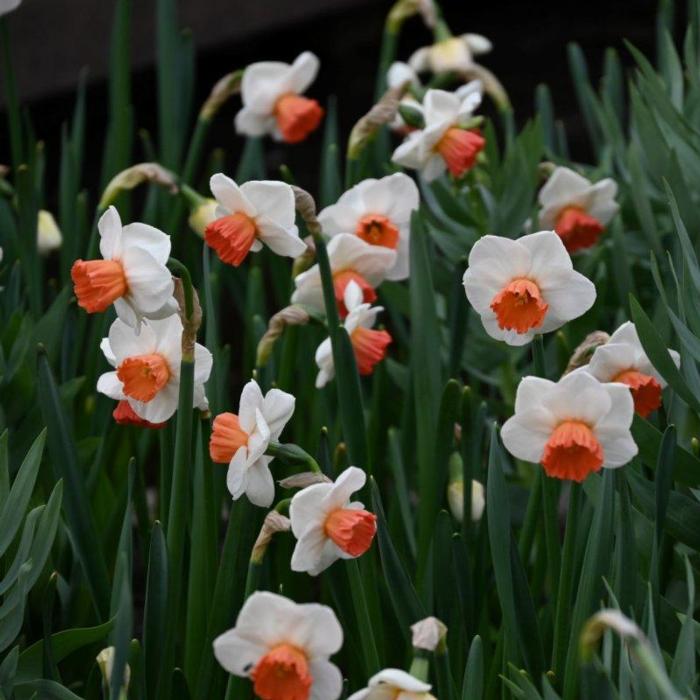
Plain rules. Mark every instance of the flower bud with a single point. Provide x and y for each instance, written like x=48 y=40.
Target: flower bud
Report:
x=136 y=175
x=289 y=316
x=583 y=353
x=105 y=660
x=303 y=479
x=412 y=117
x=202 y=215
x=596 y=626
x=274 y=522
x=48 y=235
x=428 y=634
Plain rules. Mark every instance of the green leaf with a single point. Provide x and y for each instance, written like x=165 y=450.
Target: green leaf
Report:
x=155 y=608
x=473 y=684
x=48 y=689
x=14 y=507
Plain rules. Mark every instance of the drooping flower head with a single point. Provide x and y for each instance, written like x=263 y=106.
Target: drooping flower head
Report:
x=273 y=102
x=525 y=286
x=443 y=143
x=351 y=260
x=241 y=441
x=378 y=212
x=572 y=427
x=622 y=359
x=132 y=274
x=328 y=526
x=283 y=648
x=394 y=684
x=257 y=212
x=577 y=209
x=147 y=374
x=369 y=346
x=453 y=54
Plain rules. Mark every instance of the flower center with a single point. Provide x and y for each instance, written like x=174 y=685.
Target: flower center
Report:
x=352 y=530
x=577 y=229
x=297 y=117
x=125 y=415
x=459 y=149
x=98 y=283
x=369 y=347
x=646 y=391
x=231 y=237
x=378 y=230
x=519 y=306
x=572 y=452
x=342 y=279
x=226 y=437
x=143 y=376
x=282 y=674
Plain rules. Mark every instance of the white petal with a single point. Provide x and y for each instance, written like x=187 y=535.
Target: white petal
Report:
x=324 y=360
x=168 y=339
x=260 y=488
x=328 y=681
x=626 y=333
x=263 y=84
x=399 y=679
x=441 y=106
x=409 y=154
x=341 y=217
x=308 y=290
x=161 y=407
x=350 y=252
x=433 y=168
x=109 y=384
x=272 y=199
x=569 y=296
x=266 y=618
x=562 y=186
x=251 y=400
x=110 y=228
x=548 y=255
x=249 y=123
x=526 y=433
x=578 y=396
x=259 y=438
x=149 y=282
x=125 y=342
x=352 y=297
x=107 y=352
x=619 y=418
x=351 y=480
x=419 y=60
x=478 y=43
x=281 y=241
x=602 y=203
x=309 y=549
x=400 y=73
x=230 y=195
x=148 y=237
x=203 y=362
x=307 y=508
x=236 y=476
x=237 y=655
x=303 y=72
x=402 y=266
x=610 y=359
x=317 y=631
x=531 y=392
x=277 y=408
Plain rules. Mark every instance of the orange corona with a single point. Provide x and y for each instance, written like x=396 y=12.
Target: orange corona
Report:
x=459 y=149
x=226 y=437
x=519 y=306
x=646 y=391
x=143 y=376
x=231 y=237
x=297 y=117
x=282 y=674
x=572 y=452
x=577 y=229
x=98 y=283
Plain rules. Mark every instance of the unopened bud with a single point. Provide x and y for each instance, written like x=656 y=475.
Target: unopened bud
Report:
x=596 y=626
x=289 y=316
x=411 y=115
x=105 y=661
x=136 y=175
x=583 y=353
x=274 y=522
x=428 y=634
x=48 y=235
x=202 y=215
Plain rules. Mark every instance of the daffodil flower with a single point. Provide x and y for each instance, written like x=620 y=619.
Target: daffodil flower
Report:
x=577 y=209
x=284 y=648
x=525 y=286
x=328 y=526
x=147 y=368
x=452 y=54
x=132 y=274
x=443 y=143
x=273 y=102
x=241 y=441
x=622 y=359
x=573 y=427
x=369 y=346
x=257 y=212
x=351 y=260
x=378 y=212
x=394 y=684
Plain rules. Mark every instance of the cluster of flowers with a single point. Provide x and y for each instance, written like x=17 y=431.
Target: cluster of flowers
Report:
x=520 y=288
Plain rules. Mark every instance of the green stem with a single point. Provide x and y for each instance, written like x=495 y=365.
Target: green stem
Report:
x=369 y=646
x=176 y=266
x=420 y=667
x=294 y=454
x=566 y=581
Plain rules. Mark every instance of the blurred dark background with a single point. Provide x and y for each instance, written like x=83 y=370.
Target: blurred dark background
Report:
x=54 y=39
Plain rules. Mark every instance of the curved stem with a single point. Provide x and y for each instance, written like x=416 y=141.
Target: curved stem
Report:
x=176 y=266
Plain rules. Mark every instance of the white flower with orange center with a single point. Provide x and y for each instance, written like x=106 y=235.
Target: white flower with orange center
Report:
x=132 y=274
x=369 y=346
x=257 y=212
x=573 y=427
x=241 y=441
x=394 y=684
x=577 y=209
x=328 y=525
x=622 y=359
x=273 y=101
x=351 y=260
x=147 y=363
x=453 y=54
x=525 y=286
x=378 y=212
x=284 y=648
x=443 y=143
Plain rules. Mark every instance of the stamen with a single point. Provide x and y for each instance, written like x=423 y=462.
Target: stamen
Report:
x=378 y=230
